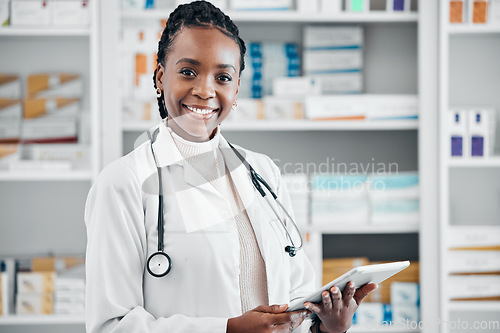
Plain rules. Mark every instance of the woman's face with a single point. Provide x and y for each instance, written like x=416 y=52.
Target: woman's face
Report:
x=200 y=81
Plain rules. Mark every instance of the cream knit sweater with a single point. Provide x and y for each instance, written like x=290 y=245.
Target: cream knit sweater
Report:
x=207 y=159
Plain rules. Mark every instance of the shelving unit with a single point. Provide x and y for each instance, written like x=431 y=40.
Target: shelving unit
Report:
x=460 y=178
x=291 y=16
x=42 y=211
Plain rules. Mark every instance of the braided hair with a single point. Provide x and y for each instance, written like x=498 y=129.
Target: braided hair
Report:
x=195 y=14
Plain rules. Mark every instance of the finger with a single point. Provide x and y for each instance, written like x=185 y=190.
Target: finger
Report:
x=272 y=308
x=336 y=297
x=288 y=317
x=363 y=291
x=348 y=292
x=312 y=307
x=327 y=300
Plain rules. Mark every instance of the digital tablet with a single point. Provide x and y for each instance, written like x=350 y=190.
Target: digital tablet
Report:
x=360 y=275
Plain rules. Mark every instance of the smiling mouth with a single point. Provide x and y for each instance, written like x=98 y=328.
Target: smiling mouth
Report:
x=201 y=111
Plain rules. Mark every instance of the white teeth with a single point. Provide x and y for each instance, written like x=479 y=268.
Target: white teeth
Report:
x=199 y=111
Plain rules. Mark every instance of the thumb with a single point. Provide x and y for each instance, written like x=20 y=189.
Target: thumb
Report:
x=272 y=308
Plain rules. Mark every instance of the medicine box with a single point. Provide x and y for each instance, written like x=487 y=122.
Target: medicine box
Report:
x=458 y=11
x=369 y=314
x=335 y=108
x=295 y=86
x=79 y=157
x=395 y=185
x=260 y=4
x=34 y=303
x=308 y=6
x=10 y=86
x=405 y=293
x=481 y=133
x=60 y=130
x=405 y=313
x=457 y=122
x=358 y=6
x=281 y=108
x=495 y=12
x=337 y=199
x=332 y=61
x=35 y=282
x=473 y=286
x=70 y=12
x=340 y=83
x=54 y=85
x=473 y=236
x=10 y=120
x=248 y=109
x=395 y=211
x=35 y=13
x=328 y=37
x=479 y=11
x=52 y=264
x=473 y=261
x=51 y=108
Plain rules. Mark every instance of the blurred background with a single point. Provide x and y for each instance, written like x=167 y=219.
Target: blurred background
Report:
x=381 y=115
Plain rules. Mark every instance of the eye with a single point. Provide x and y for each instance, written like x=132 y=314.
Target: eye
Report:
x=187 y=72
x=224 y=78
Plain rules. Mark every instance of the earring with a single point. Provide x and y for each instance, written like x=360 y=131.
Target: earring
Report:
x=235 y=105
x=158 y=92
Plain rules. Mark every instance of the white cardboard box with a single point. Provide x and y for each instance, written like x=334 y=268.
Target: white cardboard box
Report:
x=35 y=282
x=481 y=132
x=473 y=261
x=34 y=303
x=31 y=13
x=473 y=236
x=324 y=37
x=473 y=286
x=332 y=61
x=70 y=13
x=458 y=137
x=405 y=293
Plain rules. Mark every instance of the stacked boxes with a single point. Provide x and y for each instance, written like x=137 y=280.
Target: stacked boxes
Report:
x=10 y=118
x=334 y=57
x=394 y=198
x=473 y=262
x=339 y=200
x=405 y=302
x=54 y=285
x=35 y=293
x=472 y=132
x=260 y=4
x=266 y=61
x=361 y=107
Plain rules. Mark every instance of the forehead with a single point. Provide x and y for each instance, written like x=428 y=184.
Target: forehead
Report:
x=207 y=45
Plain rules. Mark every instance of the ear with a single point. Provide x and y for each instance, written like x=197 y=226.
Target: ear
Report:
x=160 y=70
x=238 y=88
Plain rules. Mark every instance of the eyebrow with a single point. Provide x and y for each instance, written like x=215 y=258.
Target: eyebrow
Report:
x=197 y=63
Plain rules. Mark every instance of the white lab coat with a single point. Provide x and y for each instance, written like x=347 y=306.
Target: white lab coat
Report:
x=201 y=292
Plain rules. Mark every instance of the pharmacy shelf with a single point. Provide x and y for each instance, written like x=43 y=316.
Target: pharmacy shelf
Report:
x=345 y=228
x=474 y=306
x=457 y=29
x=15 y=31
x=291 y=16
x=41 y=319
x=45 y=176
x=298 y=125
x=491 y=162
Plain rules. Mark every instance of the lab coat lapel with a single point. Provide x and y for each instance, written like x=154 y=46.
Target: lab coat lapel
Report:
x=188 y=186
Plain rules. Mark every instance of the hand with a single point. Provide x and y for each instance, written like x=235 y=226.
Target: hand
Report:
x=267 y=319
x=336 y=309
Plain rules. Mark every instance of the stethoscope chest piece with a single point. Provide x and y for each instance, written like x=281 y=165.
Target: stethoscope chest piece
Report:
x=159 y=264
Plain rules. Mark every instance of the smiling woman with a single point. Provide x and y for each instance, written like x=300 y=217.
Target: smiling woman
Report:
x=202 y=250
x=200 y=79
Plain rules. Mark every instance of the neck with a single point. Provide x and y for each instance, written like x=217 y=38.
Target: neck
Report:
x=187 y=136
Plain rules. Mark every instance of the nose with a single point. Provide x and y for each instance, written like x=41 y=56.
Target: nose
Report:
x=204 y=88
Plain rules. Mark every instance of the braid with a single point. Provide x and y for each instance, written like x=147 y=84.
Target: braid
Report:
x=195 y=14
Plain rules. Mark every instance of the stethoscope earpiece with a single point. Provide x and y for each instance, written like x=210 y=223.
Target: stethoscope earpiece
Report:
x=159 y=264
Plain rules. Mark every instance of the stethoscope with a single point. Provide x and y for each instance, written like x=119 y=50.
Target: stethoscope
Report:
x=160 y=263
